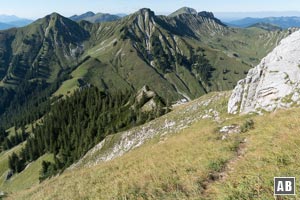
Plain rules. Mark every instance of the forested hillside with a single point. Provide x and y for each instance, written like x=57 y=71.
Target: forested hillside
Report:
x=65 y=86
x=77 y=123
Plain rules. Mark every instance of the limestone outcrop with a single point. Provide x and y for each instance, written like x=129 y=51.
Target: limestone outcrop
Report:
x=274 y=83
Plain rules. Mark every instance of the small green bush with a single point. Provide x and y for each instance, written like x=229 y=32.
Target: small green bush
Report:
x=249 y=124
x=217 y=165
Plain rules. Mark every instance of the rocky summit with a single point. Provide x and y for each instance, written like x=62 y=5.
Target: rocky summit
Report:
x=274 y=83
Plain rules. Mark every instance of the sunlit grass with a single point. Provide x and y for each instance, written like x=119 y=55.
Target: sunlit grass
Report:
x=27 y=178
x=171 y=168
x=273 y=149
x=187 y=165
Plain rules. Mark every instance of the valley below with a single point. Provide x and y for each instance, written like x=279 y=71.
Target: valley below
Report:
x=147 y=106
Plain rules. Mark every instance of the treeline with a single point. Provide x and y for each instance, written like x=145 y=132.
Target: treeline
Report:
x=76 y=124
x=27 y=103
x=8 y=142
x=15 y=163
x=3 y=137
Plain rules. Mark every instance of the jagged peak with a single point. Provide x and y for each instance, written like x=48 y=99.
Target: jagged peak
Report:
x=55 y=23
x=44 y=21
x=185 y=13
x=145 y=11
x=55 y=17
x=55 y=14
x=201 y=17
x=142 y=18
x=142 y=13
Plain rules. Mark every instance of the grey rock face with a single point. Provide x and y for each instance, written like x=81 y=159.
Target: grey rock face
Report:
x=206 y=14
x=274 y=83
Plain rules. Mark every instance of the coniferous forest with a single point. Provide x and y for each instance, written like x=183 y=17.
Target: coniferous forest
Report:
x=76 y=124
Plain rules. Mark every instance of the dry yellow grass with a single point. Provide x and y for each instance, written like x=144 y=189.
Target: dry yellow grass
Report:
x=273 y=149
x=174 y=167
x=186 y=165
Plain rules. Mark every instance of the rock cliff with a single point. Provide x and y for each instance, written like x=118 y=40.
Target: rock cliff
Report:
x=274 y=83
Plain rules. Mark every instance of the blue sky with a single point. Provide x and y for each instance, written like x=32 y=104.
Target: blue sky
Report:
x=39 y=8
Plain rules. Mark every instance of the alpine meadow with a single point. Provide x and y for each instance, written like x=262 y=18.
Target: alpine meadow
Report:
x=148 y=106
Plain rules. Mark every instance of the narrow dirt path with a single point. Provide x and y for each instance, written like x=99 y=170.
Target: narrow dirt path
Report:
x=229 y=168
x=221 y=176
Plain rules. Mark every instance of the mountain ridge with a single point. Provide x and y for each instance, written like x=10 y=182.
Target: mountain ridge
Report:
x=184 y=57
x=197 y=150
x=283 y=22
x=95 y=17
x=266 y=26
x=163 y=45
x=75 y=84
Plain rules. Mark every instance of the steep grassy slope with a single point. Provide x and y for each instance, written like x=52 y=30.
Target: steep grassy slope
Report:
x=34 y=60
x=194 y=163
x=4 y=160
x=185 y=56
x=26 y=179
x=192 y=111
x=272 y=149
x=41 y=50
x=146 y=103
x=209 y=107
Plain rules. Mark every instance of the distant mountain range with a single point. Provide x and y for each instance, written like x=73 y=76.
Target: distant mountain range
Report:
x=10 y=21
x=266 y=23
x=178 y=53
x=230 y=19
x=283 y=22
x=233 y=16
x=174 y=58
x=266 y=26
x=95 y=18
x=4 y=26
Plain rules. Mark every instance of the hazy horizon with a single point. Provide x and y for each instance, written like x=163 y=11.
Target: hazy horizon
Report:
x=33 y=9
x=224 y=16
